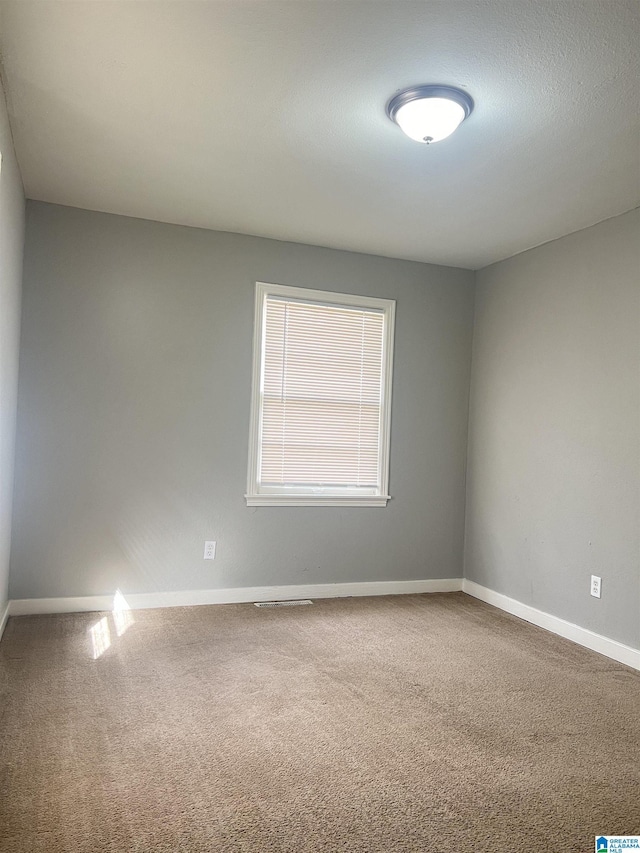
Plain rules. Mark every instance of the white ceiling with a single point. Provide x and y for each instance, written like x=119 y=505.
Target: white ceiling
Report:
x=269 y=117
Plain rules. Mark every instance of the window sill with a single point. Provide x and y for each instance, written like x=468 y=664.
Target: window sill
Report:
x=317 y=500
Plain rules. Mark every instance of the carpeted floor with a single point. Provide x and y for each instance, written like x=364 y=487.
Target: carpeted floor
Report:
x=412 y=723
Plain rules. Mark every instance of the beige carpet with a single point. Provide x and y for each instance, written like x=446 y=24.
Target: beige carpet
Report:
x=413 y=723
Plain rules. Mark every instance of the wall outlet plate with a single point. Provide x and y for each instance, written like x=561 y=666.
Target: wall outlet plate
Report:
x=209 y=550
x=596 y=586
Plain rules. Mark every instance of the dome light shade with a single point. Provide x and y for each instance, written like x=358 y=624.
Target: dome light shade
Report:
x=429 y=113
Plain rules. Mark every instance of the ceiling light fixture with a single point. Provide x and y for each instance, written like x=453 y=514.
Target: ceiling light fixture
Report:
x=429 y=113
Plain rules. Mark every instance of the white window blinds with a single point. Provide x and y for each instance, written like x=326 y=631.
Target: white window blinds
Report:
x=322 y=411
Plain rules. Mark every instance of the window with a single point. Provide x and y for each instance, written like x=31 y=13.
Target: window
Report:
x=321 y=404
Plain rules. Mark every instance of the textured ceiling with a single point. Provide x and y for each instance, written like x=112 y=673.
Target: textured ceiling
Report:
x=269 y=117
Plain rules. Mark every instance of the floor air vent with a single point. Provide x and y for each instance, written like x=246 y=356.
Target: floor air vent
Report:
x=283 y=603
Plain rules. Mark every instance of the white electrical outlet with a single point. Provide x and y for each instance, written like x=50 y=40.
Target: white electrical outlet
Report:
x=209 y=550
x=596 y=586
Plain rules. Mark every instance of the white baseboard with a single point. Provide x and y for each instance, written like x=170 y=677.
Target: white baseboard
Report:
x=3 y=618
x=141 y=601
x=144 y=600
x=582 y=636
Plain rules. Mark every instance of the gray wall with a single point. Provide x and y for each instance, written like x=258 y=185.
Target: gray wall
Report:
x=11 y=245
x=554 y=445
x=134 y=413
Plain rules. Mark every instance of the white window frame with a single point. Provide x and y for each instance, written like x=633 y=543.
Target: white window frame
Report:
x=307 y=496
